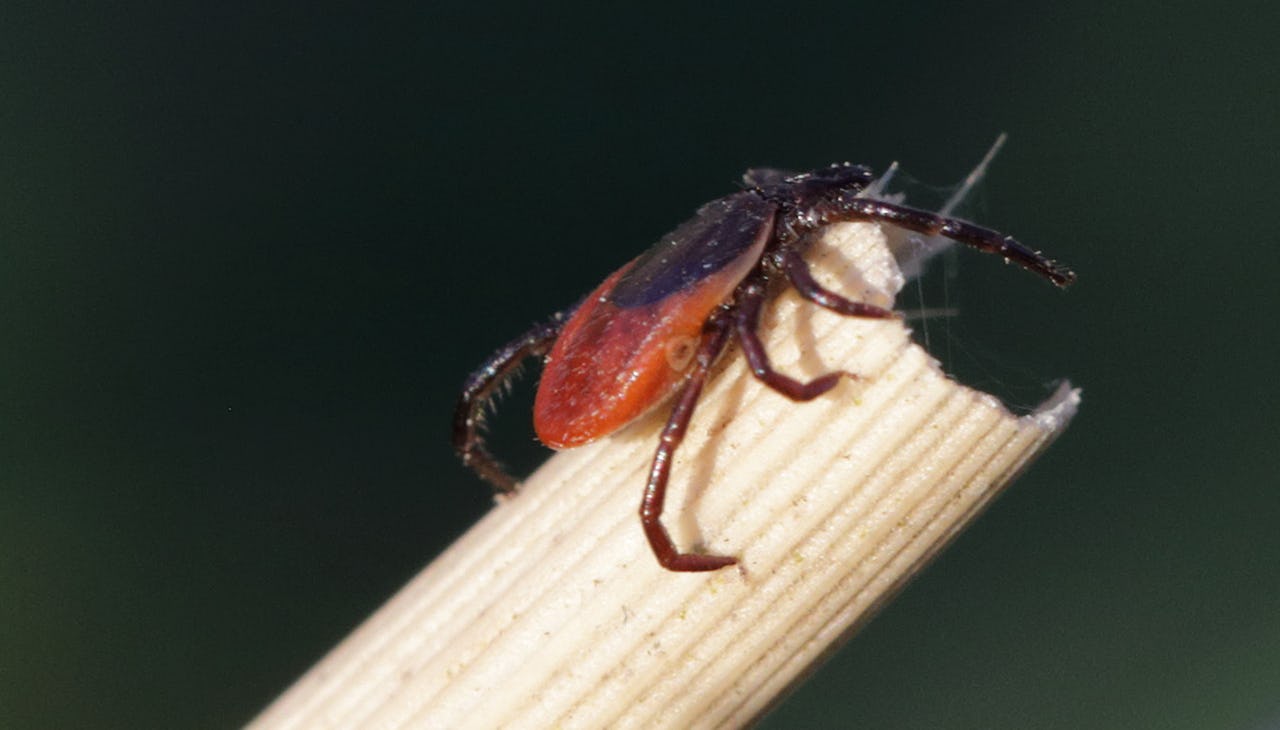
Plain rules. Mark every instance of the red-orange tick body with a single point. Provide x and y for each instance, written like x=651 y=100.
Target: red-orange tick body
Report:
x=656 y=326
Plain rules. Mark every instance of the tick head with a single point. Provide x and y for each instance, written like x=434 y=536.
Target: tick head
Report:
x=843 y=175
x=804 y=189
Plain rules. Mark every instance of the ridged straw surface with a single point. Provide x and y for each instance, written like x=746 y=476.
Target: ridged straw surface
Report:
x=552 y=613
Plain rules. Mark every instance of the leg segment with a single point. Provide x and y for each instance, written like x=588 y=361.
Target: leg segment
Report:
x=478 y=391
x=850 y=208
x=714 y=338
x=798 y=272
x=747 y=305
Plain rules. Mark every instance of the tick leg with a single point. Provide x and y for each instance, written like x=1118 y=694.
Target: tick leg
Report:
x=849 y=208
x=800 y=276
x=747 y=305
x=480 y=389
x=714 y=338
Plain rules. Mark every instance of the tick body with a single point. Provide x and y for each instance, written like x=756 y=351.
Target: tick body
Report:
x=649 y=334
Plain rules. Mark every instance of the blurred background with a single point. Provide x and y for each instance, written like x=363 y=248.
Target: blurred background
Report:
x=248 y=252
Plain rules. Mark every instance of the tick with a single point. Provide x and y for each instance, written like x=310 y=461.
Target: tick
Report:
x=654 y=328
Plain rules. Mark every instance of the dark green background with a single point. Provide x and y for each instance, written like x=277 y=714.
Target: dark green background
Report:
x=247 y=254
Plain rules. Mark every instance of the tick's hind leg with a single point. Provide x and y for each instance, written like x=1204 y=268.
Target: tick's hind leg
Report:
x=747 y=305
x=480 y=389
x=715 y=336
x=850 y=208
